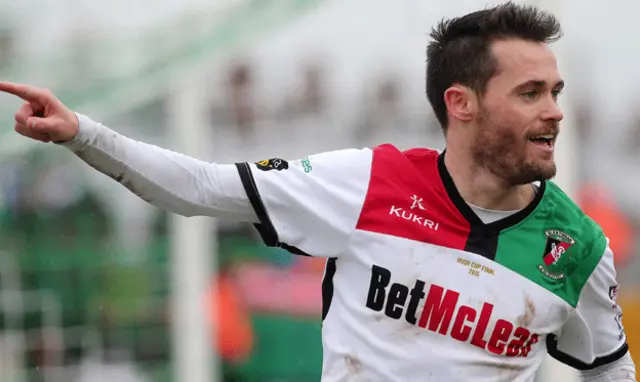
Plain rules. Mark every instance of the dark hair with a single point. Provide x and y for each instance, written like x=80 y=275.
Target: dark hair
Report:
x=461 y=48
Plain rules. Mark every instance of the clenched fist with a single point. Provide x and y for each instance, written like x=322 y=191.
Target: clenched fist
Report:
x=42 y=117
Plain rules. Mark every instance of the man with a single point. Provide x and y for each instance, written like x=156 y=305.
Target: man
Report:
x=462 y=265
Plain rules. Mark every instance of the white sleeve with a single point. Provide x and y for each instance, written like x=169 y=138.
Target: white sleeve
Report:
x=622 y=370
x=169 y=180
x=309 y=206
x=593 y=336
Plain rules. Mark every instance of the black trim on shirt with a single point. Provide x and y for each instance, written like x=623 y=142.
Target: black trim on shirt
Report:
x=482 y=242
x=483 y=238
x=265 y=228
x=327 y=285
x=552 y=348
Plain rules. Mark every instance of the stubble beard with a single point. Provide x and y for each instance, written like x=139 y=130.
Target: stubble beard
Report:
x=500 y=150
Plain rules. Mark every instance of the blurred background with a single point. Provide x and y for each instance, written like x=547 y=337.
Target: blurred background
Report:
x=96 y=285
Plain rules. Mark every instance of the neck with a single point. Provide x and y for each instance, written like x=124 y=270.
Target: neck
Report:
x=480 y=187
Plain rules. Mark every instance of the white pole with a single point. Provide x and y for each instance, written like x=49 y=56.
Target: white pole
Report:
x=567 y=176
x=193 y=246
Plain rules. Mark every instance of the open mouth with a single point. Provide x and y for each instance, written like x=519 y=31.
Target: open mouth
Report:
x=544 y=140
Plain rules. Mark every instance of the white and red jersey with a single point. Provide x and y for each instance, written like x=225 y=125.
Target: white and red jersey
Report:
x=418 y=288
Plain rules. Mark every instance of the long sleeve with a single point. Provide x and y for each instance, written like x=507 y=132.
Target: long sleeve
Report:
x=622 y=370
x=165 y=179
x=593 y=338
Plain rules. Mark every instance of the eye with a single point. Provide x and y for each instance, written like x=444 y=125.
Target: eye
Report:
x=531 y=94
x=556 y=93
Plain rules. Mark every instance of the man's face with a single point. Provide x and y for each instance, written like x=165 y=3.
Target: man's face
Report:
x=519 y=118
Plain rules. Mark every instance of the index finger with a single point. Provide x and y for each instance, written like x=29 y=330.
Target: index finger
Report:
x=26 y=92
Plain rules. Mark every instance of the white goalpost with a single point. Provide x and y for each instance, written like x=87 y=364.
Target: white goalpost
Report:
x=193 y=250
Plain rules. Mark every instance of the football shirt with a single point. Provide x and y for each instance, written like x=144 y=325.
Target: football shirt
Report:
x=418 y=288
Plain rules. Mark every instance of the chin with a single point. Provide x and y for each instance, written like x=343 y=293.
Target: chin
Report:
x=544 y=174
x=534 y=172
x=544 y=177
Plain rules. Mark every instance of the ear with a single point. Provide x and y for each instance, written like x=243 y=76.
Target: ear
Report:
x=461 y=102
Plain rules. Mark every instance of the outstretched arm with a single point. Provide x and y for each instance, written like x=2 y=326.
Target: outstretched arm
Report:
x=166 y=179
x=308 y=206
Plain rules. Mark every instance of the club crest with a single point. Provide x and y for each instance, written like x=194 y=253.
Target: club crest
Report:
x=555 y=258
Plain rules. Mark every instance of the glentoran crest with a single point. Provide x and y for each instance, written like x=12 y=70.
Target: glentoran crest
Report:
x=554 y=258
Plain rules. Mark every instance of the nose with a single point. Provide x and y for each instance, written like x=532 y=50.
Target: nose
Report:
x=553 y=111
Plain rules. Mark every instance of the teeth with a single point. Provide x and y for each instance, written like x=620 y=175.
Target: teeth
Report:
x=546 y=136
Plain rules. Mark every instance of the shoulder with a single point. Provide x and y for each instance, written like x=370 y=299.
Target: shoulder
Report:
x=389 y=157
x=414 y=154
x=565 y=210
x=334 y=163
x=384 y=160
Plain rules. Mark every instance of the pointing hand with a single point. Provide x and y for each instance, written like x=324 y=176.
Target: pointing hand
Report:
x=42 y=117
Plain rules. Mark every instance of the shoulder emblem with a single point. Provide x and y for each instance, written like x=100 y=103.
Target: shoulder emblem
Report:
x=555 y=258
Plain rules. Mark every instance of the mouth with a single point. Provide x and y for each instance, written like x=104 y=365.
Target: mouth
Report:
x=546 y=141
